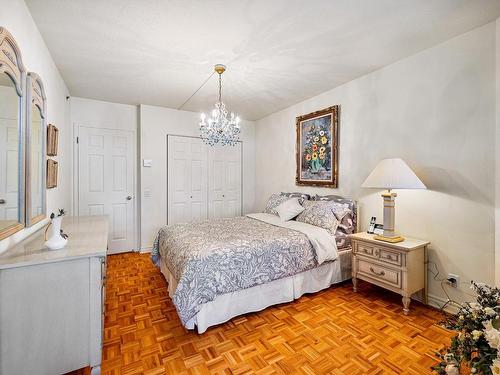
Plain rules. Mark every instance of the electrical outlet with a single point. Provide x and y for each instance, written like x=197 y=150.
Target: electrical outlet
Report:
x=453 y=279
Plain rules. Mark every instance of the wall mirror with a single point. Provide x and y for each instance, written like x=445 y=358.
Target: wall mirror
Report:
x=12 y=176
x=35 y=145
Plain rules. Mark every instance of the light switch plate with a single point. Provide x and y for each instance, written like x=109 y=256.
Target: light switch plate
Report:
x=147 y=162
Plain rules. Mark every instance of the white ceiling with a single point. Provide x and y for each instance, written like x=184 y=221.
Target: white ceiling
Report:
x=278 y=52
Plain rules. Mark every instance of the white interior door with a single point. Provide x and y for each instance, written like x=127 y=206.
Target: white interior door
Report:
x=224 y=183
x=187 y=179
x=106 y=182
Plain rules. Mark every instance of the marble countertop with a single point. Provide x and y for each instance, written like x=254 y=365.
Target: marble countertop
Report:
x=88 y=237
x=407 y=245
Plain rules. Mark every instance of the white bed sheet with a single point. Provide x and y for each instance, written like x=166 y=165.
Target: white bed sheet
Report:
x=256 y=298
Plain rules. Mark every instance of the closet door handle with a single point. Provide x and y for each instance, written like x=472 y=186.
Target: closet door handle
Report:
x=223 y=195
x=3 y=201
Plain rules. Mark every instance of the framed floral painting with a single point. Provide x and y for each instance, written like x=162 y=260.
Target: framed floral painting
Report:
x=317 y=148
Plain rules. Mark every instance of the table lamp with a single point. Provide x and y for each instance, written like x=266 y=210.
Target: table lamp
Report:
x=391 y=174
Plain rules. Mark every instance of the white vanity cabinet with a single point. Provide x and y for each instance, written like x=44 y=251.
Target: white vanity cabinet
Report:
x=52 y=301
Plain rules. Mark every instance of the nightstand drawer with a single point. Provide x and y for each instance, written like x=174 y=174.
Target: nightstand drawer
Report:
x=391 y=257
x=367 y=250
x=381 y=273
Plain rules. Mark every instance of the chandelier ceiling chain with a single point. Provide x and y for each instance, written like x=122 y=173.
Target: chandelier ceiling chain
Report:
x=220 y=87
x=218 y=128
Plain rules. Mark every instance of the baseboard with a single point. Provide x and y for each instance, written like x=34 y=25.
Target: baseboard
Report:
x=439 y=302
x=146 y=249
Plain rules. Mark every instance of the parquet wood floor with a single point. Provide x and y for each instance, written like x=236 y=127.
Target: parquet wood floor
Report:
x=334 y=331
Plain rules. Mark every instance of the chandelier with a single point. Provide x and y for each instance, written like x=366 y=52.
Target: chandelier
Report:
x=219 y=128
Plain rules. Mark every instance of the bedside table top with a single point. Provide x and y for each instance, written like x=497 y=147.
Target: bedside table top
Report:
x=408 y=244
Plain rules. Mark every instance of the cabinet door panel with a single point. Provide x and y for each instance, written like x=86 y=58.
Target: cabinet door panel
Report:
x=50 y=331
x=187 y=179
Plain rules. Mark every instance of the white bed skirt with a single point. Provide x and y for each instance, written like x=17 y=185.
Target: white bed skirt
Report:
x=256 y=298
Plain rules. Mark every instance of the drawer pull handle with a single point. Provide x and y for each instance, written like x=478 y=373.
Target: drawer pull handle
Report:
x=389 y=257
x=376 y=252
x=381 y=273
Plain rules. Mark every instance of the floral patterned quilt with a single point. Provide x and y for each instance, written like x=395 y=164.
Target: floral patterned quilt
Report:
x=219 y=256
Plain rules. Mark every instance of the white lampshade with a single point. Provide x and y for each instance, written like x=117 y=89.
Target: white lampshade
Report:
x=393 y=174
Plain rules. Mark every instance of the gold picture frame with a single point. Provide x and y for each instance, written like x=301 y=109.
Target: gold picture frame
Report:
x=317 y=148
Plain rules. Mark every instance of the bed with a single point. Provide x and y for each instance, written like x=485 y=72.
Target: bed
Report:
x=221 y=268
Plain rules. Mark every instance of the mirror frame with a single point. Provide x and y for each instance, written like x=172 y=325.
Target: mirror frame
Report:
x=35 y=95
x=11 y=63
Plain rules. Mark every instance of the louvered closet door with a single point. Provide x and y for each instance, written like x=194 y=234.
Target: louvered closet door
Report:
x=187 y=179
x=224 y=183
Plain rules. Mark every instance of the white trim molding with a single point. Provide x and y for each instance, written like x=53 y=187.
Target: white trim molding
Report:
x=438 y=302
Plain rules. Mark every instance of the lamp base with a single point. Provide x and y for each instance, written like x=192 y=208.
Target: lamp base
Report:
x=389 y=239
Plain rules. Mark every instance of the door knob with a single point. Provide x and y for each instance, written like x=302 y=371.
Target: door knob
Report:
x=129 y=197
x=3 y=201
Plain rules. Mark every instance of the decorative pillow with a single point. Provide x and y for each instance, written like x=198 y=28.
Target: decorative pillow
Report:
x=347 y=222
x=289 y=209
x=319 y=214
x=274 y=201
x=342 y=240
x=339 y=209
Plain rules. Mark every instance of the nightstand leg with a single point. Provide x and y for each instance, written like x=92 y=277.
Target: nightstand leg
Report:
x=406 y=305
x=354 y=284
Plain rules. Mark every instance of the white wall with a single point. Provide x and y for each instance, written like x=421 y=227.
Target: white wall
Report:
x=16 y=18
x=155 y=124
x=436 y=110
x=497 y=159
x=106 y=115
x=89 y=112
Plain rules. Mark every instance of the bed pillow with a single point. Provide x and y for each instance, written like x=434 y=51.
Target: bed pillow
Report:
x=340 y=209
x=345 y=216
x=289 y=209
x=347 y=222
x=274 y=201
x=319 y=214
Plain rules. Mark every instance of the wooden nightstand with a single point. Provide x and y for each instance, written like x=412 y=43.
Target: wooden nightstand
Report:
x=399 y=267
